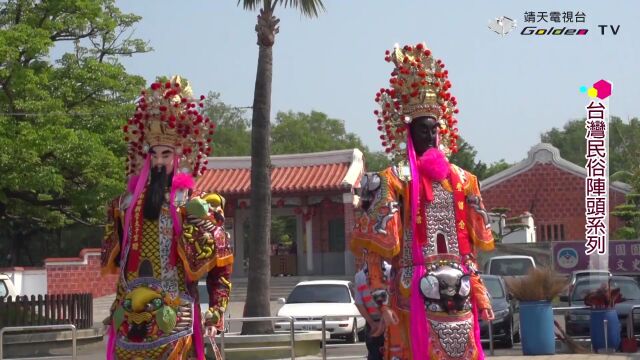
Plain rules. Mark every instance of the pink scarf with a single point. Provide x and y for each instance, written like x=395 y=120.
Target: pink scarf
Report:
x=418 y=320
x=136 y=186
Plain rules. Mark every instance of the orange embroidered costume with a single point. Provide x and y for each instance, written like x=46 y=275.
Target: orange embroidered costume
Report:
x=428 y=229
x=156 y=313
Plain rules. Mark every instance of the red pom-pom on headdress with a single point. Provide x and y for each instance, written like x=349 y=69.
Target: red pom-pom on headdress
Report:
x=419 y=86
x=167 y=114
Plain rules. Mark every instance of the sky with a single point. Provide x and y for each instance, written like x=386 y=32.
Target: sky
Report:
x=510 y=88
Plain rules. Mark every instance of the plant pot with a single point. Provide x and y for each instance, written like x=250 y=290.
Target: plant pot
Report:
x=597 y=329
x=537 y=328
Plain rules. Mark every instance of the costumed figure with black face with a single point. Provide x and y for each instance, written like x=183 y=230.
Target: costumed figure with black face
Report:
x=161 y=237
x=426 y=216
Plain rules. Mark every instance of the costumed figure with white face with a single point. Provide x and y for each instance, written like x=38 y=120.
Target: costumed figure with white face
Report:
x=425 y=215
x=161 y=237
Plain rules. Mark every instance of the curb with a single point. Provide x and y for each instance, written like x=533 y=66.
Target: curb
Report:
x=97 y=331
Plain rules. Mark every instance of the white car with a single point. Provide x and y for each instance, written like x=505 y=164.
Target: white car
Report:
x=6 y=287
x=309 y=301
x=509 y=265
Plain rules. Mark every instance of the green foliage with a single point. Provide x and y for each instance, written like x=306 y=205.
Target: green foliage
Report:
x=283 y=229
x=624 y=163
x=291 y=134
x=233 y=134
x=484 y=171
x=626 y=233
x=629 y=213
x=624 y=144
x=466 y=159
x=63 y=154
x=376 y=160
x=303 y=133
x=297 y=132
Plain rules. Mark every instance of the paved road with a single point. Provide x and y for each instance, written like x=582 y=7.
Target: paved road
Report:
x=358 y=351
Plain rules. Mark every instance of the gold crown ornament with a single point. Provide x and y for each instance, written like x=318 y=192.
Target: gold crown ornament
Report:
x=418 y=86
x=166 y=114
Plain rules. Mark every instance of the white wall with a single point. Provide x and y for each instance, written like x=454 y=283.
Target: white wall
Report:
x=29 y=281
x=522 y=236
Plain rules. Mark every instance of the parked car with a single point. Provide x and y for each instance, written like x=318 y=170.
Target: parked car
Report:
x=509 y=265
x=310 y=300
x=579 y=274
x=6 y=287
x=506 y=325
x=578 y=322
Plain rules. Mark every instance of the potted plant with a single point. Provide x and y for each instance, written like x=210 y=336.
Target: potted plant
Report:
x=535 y=292
x=602 y=302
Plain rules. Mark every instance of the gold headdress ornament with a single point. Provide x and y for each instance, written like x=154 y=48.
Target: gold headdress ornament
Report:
x=418 y=87
x=166 y=114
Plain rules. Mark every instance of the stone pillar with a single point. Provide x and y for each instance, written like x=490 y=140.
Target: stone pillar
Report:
x=349 y=201
x=309 y=242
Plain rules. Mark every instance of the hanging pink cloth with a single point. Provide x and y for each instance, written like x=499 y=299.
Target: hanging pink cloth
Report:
x=418 y=319
x=140 y=184
x=111 y=343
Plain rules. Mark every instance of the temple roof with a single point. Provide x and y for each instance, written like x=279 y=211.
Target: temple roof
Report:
x=293 y=173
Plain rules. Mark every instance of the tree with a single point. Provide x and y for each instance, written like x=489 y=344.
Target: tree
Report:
x=624 y=145
x=291 y=134
x=629 y=212
x=259 y=267
x=485 y=171
x=466 y=159
x=313 y=132
x=233 y=134
x=62 y=151
x=303 y=133
x=376 y=160
x=624 y=163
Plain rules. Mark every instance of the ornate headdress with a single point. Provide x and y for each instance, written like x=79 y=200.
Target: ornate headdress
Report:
x=166 y=114
x=418 y=87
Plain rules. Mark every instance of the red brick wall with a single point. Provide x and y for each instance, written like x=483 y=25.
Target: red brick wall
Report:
x=552 y=195
x=79 y=275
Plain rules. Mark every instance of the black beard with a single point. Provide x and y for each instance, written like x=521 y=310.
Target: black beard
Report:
x=159 y=183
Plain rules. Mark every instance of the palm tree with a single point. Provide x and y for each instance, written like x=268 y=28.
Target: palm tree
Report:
x=257 y=302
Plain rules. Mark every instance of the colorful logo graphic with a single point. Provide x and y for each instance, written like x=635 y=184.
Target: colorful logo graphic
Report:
x=601 y=89
x=567 y=258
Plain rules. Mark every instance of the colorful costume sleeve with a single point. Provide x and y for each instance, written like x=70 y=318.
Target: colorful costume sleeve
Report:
x=109 y=256
x=205 y=249
x=478 y=290
x=219 y=288
x=204 y=245
x=378 y=225
x=480 y=236
x=377 y=283
x=478 y=219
